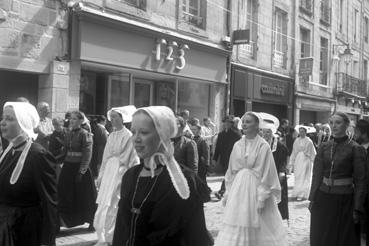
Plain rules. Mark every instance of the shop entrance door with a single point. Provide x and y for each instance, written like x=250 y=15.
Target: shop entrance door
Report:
x=143 y=93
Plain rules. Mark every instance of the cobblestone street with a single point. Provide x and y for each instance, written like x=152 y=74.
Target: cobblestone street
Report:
x=298 y=228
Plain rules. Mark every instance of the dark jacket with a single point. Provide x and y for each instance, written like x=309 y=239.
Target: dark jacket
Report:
x=56 y=145
x=224 y=146
x=203 y=151
x=349 y=161
x=78 y=144
x=185 y=152
x=100 y=137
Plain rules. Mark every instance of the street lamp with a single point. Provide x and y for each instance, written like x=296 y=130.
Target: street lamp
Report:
x=346 y=56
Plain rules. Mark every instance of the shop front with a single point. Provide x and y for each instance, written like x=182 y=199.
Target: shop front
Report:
x=118 y=63
x=260 y=91
x=313 y=109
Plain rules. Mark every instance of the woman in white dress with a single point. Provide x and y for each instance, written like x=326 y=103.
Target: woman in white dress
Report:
x=119 y=155
x=251 y=216
x=302 y=158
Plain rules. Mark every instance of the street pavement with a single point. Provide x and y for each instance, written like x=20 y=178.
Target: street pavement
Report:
x=297 y=227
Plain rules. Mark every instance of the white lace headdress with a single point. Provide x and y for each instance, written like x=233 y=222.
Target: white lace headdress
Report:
x=28 y=119
x=166 y=126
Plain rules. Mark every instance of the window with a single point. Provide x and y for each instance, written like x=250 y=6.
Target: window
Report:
x=325 y=12
x=365 y=70
x=306 y=6
x=356 y=25
x=141 y=4
x=323 y=61
x=341 y=9
x=366 y=29
x=193 y=12
x=250 y=23
x=194 y=97
x=280 y=39
x=305 y=42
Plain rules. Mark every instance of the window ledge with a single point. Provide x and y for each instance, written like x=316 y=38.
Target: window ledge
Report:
x=127 y=9
x=320 y=85
x=189 y=28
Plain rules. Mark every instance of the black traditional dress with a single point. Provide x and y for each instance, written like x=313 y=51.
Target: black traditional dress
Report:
x=77 y=196
x=152 y=213
x=28 y=213
x=338 y=189
x=280 y=154
x=204 y=155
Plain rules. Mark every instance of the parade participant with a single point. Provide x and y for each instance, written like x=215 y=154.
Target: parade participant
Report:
x=280 y=155
x=301 y=160
x=223 y=148
x=100 y=136
x=76 y=188
x=185 y=149
x=159 y=203
x=251 y=216
x=56 y=143
x=202 y=150
x=338 y=188
x=119 y=156
x=45 y=127
x=362 y=137
x=28 y=197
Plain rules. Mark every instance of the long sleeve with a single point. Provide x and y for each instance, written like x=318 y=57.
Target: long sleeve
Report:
x=86 y=152
x=105 y=158
x=231 y=172
x=359 y=176
x=310 y=151
x=294 y=152
x=282 y=158
x=218 y=146
x=192 y=156
x=129 y=157
x=205 y=153
x=45 y=178
x=318 y=169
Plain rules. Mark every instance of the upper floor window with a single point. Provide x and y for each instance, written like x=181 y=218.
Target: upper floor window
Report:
x=356 y=26
x=193 y=12
x=305 y=40
x=323 y=61
x=141 y=4
x=280 y=39
x=306 y=6
x=325 y=12
x=341 y=15
x=366 y=29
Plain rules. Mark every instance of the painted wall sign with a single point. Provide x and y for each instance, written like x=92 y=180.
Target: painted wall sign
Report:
x=272 y=90
x=173 y=52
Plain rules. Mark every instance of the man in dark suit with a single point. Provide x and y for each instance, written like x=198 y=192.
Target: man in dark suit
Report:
x=223 y=148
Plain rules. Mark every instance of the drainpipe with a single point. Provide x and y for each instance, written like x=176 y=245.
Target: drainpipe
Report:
x=229 y=58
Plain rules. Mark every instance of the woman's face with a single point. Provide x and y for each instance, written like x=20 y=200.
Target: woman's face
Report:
x=338 y=126
x=249 y=125
x=116 y=119
x=302 y=132
x=145 y=137
x=75 y=122
x=267 y=134
x=9 y=124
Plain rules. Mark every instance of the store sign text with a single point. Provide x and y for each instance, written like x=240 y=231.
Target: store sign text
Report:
x=173 y=51
x=272 y=90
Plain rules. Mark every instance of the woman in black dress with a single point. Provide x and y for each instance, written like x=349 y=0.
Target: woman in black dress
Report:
x=161 y=204
x=28 y=214
x=76 y=188
x=338 y=188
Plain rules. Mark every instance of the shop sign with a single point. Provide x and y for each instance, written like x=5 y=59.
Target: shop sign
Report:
x=306 y=66
x=241 y=36
x=272 y=90
x=174 y=52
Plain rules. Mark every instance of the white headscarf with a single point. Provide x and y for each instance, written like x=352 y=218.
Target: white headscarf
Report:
x=126 y=112
x=28 y=119
x=166 y=126
x=269 y=122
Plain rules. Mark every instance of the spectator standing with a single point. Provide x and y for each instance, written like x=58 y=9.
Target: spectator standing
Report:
x=286 y=132
x=302 y=159
x=203 y=151
x=224 y=146
x=362 y=137
x=56 y=143
x=210 y=131
x=185 y=114
x=185 y=149
x=45 y=128
x=100 y=136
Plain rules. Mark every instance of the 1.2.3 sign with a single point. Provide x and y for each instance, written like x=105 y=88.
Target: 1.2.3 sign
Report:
x=172 y=52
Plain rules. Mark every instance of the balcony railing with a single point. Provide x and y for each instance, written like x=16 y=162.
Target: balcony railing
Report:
x=351 y=85
x=247 y=50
